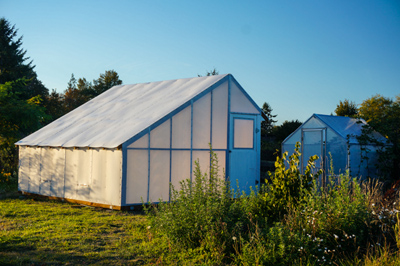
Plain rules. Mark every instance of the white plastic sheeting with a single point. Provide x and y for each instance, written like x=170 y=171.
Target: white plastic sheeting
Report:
x=92 y=175
x=115 y=116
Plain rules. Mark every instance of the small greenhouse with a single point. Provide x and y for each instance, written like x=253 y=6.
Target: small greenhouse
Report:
x=129 y=143
x=335 y=137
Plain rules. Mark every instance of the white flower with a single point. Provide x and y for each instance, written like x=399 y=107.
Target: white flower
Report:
x=234 y=238
x=335 y=236
x=148 y=227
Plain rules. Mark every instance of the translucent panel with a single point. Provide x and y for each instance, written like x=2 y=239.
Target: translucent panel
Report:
x=362 y=164
x=35 y=169
x=99 y=170
x=296 y=137
x=71 y=169
x=113 y=177
x=180 y=168
x=243 y=133
x=314 y=123
x=221 y=163
x=204 y=160
x=220 y=117
x=23 y=171
x=181 y=127
x=201 y=122
x=83 y=176
x=355 y=161
x=57 y=184
x=159 y=175
x=137 y=176
x=160 y=136
x=240 y=103
x=312 y=145
x=336 y=150
x=48 y=169
x=143 y=142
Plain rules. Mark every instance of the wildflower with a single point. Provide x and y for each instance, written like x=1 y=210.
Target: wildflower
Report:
x=148 y=227
x=335 y=236
x=234 y=238
x=373 y=204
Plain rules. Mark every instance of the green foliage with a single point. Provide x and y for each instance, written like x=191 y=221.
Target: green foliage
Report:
x=12 y=56
x=346 y=108
x=288 y=186
x=201 y=214
x=13 y=64
x=18 y=118
x=334 y=218
x=80 y=91
x=383 y=115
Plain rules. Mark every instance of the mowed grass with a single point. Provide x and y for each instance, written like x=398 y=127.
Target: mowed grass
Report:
x=44 y=232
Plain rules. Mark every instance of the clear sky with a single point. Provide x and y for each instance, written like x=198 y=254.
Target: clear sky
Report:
x=302 y=57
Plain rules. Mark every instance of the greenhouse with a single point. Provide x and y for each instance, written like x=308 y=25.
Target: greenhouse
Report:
x=335 y=139
x=127 y=145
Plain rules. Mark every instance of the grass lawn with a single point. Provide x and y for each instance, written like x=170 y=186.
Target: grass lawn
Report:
x=42 y=232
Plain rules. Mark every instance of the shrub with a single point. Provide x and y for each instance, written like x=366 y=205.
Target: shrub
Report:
x=287 y=188
x=201 y=215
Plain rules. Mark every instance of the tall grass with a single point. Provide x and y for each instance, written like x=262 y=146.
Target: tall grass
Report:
x=290 y=221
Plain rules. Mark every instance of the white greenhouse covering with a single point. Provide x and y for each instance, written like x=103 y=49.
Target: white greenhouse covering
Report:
x=129 y=143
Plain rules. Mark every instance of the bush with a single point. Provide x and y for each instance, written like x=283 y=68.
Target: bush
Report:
x=201 y=215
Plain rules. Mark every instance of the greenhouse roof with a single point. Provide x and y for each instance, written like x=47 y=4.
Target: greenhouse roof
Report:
x=346 y=126
x=120 y=113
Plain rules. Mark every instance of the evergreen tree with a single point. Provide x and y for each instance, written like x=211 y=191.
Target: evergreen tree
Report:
x=14 y=65
x=266 y=126
x=12 y=56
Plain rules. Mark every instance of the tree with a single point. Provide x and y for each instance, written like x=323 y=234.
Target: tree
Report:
x=12 y=56
x=266 y=126
x=21 y=95
x=54 y=104
x=18 y=118
x=13 y=64
x=73 y=97
x=107 y=80
x=346 y=108
x=383 y=115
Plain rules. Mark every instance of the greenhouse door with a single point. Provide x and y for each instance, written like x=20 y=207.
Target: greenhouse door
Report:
x=242 y=152
x=313 y=143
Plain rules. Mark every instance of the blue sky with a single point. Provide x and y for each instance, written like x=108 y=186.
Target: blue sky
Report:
x=302 y=57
